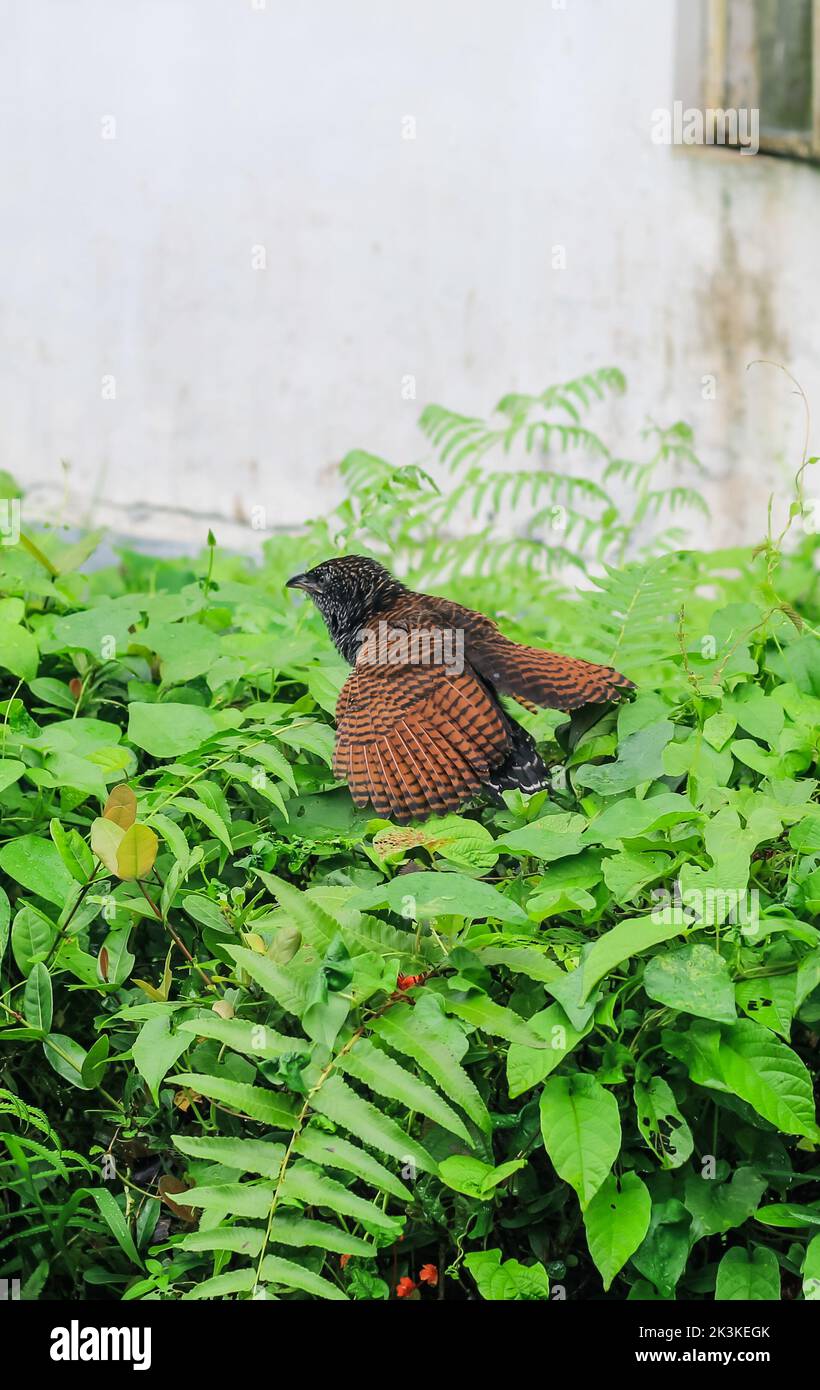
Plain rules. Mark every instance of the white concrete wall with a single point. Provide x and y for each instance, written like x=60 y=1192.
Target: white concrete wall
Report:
x=282 y=127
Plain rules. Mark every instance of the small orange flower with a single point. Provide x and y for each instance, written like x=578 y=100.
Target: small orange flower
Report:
x=343 y=1259
x=404 y=1287
x=409 y=981
x=428 y=1274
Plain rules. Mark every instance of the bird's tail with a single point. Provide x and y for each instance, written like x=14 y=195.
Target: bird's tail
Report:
x=522 y=768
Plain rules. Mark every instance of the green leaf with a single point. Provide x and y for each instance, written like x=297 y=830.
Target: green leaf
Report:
x=73 y=851
x=629 y=938
x=437 y=1044
x=248 y=1155
x=332 y=1151
x=32 y=936
x=507 y=1282
x=500 y=1022
x=616 y=1222
x=662 y=1124
x=526 y=1066
x=5 y=920
x=155 y=1051
x=629 y=819
x=255 y=1101
x=695 y=980
x=115 y=1221
x=304 y=1184
x=811 y=1269
x=10 y=772
x=37 y=999
x=36 y=864
x=475 y=1178
x=467 y=843
x=18 y=650
x=742 y=1275
x=275 y=1270
x=66 y=1057
x=718 y=1206
x=382 y=1074
x=581 y=1129
x=275 y=981
x=425 y=896
x=762 y=1070
x=207 y=815
x=340 y=1103
x=639 y=760
x=169 y=730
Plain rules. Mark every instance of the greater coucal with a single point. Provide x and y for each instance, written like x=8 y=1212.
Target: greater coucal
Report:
x=419 y=727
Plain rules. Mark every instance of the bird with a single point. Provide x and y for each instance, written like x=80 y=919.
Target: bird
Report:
x=420 y=729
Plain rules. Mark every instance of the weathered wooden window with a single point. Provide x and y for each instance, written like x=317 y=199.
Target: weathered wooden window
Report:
x=763 y=55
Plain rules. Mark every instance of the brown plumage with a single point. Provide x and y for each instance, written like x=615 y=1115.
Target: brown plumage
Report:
x=419 y=725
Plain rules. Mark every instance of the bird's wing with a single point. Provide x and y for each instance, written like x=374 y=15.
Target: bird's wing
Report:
x=529 y=674
x=415 y=738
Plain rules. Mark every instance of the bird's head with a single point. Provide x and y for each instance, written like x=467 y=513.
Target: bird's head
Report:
x=349 y=592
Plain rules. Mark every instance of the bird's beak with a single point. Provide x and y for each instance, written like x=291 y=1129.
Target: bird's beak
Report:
x=303 y=581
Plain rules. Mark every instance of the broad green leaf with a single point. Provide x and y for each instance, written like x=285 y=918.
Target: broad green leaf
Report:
x=18 y=650
x=35 y=863
x=762 y=1070
x=209 y=817
x=474 y=1177
x=169 y=730
x=743 y=1275
x=156 y=1049
x=137 y=852
x=629 y=938
x=37 y=999
x=629 y=819
x=695 y=980
x=581 y=1128
x=66 y=1057
x=616 y=1222
x=661 y=1123
x=718 y=1206
x=32 y=936
x=509 y=1281
x=10 y=772
x=811 y=1269
x=639 y=760
x=551 y=838
x=526 y=1066
x=425 y=896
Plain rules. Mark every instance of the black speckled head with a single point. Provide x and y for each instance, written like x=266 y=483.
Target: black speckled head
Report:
x=349 y=593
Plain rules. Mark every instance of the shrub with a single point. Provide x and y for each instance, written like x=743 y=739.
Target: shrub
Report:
x=257 y=1042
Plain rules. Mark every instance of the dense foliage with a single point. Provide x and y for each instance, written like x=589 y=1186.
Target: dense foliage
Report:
x=258 y=1043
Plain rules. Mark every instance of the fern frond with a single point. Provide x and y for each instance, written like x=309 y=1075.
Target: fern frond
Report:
x=630 y=618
